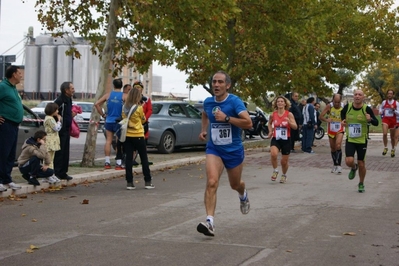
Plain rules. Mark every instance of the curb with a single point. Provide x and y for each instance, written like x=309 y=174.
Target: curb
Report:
x=97 y=176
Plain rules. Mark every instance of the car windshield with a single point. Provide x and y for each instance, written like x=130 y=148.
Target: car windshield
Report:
x=86 y=107
x=42 y=104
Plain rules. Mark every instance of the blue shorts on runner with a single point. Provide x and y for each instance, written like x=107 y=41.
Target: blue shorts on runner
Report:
x=113 y=127
x=231 y=159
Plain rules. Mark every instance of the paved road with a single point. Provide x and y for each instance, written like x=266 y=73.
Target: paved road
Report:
x=317 y=218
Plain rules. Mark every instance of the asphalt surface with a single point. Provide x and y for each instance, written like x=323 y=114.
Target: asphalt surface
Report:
x=316 y=218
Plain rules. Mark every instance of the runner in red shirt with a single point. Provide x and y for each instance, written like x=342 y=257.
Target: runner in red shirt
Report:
x=388 y=109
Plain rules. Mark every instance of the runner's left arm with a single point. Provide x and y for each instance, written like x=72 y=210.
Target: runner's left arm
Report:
x=374 y=120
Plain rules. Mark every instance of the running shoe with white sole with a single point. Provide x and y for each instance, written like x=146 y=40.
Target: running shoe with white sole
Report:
x=206 y=228
x=274 y=175
x=334 y=169
x=283 y=179
x=339 y=170
x=244 y=204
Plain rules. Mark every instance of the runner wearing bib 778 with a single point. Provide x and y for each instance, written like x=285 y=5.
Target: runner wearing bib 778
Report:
x=355 y=117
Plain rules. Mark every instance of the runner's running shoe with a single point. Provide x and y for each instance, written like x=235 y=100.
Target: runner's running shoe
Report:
x=274 y=175
x=339 y=170
x=206 y=228
x=334 y=169
x=384 y=152
x=361 y=188
x=352 y=172
x=392 y=153
x=244 y=205
x=283 y=179
x=107 y=166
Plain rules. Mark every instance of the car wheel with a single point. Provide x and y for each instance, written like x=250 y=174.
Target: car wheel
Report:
x=167 y=143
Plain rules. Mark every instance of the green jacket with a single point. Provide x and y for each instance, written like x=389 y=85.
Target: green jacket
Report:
x=10 y=102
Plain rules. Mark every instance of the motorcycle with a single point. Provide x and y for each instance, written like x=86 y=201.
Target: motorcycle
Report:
x=319 y=132
x=259 y=124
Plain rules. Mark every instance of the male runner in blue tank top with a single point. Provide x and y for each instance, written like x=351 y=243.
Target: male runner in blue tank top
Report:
x=223 y=118
x=114 y=101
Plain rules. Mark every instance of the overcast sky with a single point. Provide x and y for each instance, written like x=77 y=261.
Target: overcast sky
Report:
x=17 y=17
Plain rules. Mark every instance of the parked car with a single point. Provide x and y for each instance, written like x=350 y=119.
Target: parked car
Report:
x=39 y=109
x=173 y=125
x=30 y=124
x=83 y=119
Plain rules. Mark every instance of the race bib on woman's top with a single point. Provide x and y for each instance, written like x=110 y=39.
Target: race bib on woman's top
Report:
x=281 y=133
x=221 y=134
x=355 y=130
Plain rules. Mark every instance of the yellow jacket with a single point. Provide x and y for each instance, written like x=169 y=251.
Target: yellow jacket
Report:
x=135 y=126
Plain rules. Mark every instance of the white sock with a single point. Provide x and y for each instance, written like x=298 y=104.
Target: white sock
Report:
x=276 y=170
x=107 y=159
x=119 y=161
x=209 y=218
x=243 y=197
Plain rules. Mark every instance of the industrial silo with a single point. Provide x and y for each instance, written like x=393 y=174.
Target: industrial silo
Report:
x=64 y=65
x=81 y=70
x=48 y=62
x=44 y=40
x=32 y=70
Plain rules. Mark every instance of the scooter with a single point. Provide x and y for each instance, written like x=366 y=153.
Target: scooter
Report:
x=259 y=124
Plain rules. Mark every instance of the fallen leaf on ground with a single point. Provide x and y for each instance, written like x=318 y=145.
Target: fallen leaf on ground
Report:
x=349 y=234
x=32 y=247
x=29 y=251
x=85 y=201
x=34 y=220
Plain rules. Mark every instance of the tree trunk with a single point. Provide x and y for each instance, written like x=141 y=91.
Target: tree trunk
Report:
x=91 y=138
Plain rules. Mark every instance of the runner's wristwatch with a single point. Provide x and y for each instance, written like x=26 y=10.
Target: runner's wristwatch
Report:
x=227 y=118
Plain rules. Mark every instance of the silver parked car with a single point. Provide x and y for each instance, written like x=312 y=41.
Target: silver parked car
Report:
x=173 y=125
x=83 y=119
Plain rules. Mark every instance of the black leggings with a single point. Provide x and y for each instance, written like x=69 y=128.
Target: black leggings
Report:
x=131 y=144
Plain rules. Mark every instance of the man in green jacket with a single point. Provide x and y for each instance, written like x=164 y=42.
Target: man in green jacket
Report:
x=11 y=115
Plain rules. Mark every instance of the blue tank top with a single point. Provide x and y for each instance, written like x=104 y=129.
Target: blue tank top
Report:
x=224 y=136
x=114 y=106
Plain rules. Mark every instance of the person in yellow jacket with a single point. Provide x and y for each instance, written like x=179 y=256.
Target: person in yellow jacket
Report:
x=135 y=139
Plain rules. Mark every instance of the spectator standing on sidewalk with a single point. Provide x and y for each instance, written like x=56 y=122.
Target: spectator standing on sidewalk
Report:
x=297 y=112
x=11 y=115
x=280 y=124
x=61 y=158
x=388 y=110
x=223 y=118
x=309 y=125
x=135 y=139
x=332 y=115
x=318 y=121
x=355 y=117
x=35 y=160
x=52 y=125
x=114 y=101
x=147 y=109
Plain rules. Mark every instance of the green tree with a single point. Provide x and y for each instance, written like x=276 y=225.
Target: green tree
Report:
x=154 y=30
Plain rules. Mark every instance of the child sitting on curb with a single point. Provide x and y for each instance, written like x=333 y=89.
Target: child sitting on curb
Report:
x=34 y=152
